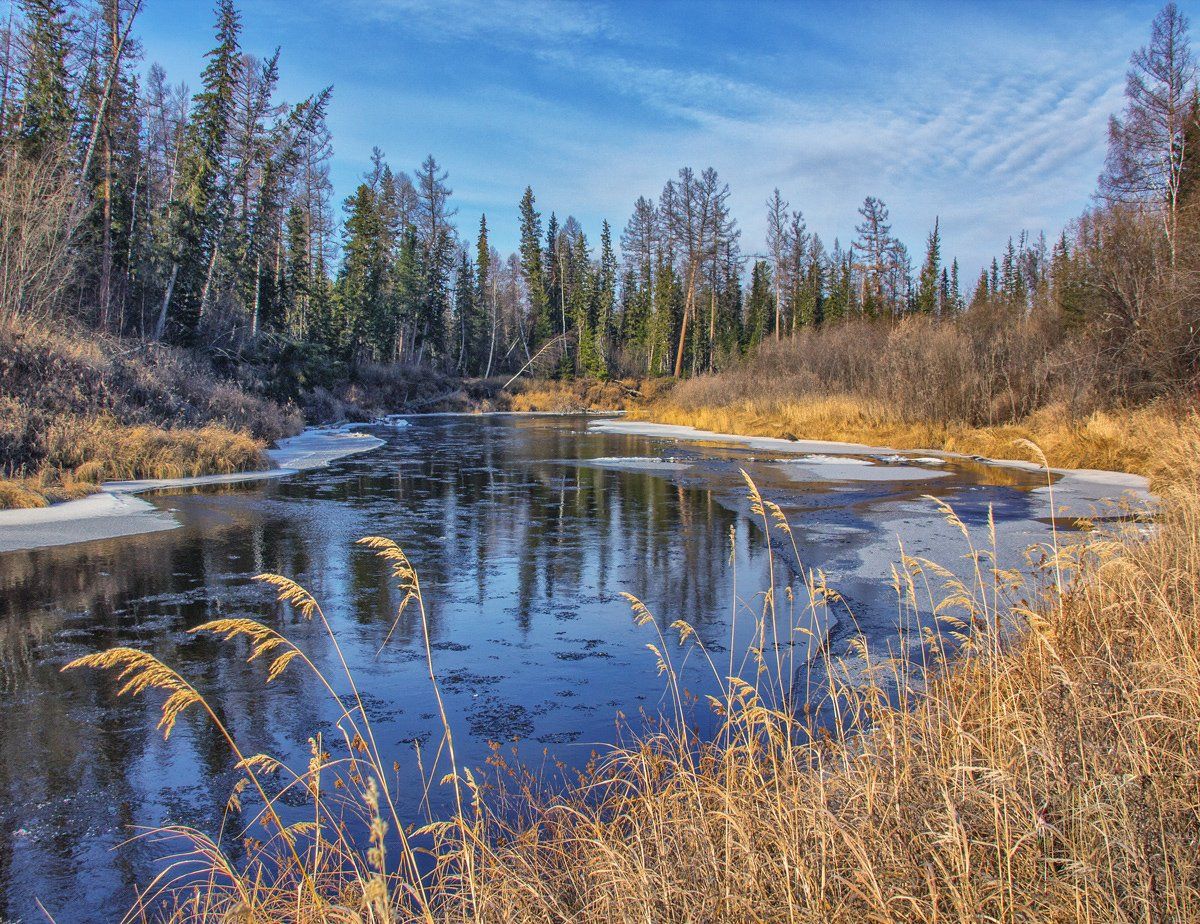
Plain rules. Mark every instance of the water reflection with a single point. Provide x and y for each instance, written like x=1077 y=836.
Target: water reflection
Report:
x=523 y=542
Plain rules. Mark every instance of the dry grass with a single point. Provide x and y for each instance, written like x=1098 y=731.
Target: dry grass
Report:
x=1126 y=441
x=1041 y=766
x=42 y=490
x=976 y=384
x=97 y=450
x=580 y=395
x=81 y=453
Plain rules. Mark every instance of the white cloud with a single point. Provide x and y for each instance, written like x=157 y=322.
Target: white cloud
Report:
x=995 y=127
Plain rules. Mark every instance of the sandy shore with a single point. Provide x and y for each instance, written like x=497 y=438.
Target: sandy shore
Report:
x=116 y=511
x=1076 y=492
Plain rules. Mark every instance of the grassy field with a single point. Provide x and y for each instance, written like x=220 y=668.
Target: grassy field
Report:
x=1042 y=767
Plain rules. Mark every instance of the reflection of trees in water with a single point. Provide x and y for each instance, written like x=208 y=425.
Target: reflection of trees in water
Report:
x=75 y=760
x=523 y=533
x=491 y=500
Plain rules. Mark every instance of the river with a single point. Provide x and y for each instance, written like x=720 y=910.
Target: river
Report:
x=525 y=531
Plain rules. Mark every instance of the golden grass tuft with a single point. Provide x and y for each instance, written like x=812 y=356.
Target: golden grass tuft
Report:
x=83 y=453
x=573 y=396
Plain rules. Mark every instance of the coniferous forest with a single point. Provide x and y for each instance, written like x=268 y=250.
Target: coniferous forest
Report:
x=205 y=218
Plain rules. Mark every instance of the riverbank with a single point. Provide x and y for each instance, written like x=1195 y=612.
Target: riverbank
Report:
x=115 y=510
x=78 y=408
x=1078 y=493
x=1131 y=440
x=1050 y=779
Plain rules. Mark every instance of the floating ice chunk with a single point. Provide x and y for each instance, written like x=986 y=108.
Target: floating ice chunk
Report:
x=913 y=460
x=857 y=470
x=819 y=459
x=638 y=462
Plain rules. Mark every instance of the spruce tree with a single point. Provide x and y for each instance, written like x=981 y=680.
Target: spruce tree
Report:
x=606 y=291
x=48 y=115
x=531 y=268
x=363 y=281
x=483 y=263
x=760 y=307
x=199 y=208
x=1068 y=286
x=983 y=288
x=294 y=316
x=927 y=300
x=464 y=313
x=666 y=318
x=484 y=298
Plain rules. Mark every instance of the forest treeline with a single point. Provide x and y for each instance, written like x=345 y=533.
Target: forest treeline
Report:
x=206 y=219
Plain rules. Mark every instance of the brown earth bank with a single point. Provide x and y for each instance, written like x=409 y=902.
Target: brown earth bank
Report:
x=78 y=408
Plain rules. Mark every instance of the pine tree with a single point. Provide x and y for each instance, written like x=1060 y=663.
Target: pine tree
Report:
x=434 y=305
x=639 y=242
x=585 y=309
x=927 y=300
x=48 y=116
x=483 y=263
x=485 y=301
x=531 y=269
x=956 y=298
x=760 y=308
x=606 y=290
x=983 y=288
x=436 y=236
x=295 y=315
x=199 y=209
x=1067 y=285
x=366 y=321
x=465 y=314
x=666 y=318
x=840 y=303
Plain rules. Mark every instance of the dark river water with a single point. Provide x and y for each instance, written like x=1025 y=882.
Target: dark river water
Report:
x=524 y=530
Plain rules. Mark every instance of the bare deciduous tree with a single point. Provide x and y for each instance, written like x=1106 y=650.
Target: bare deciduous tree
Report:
x=1147 y=147
x=37 y=220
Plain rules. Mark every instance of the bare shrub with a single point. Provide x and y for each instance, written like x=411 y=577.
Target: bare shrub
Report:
x=983 y=369
x=37 y=219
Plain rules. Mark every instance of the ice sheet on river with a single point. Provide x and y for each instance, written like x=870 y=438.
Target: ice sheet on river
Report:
x=1076 y=492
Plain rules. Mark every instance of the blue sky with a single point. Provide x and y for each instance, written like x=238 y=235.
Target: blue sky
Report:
x=989 y=115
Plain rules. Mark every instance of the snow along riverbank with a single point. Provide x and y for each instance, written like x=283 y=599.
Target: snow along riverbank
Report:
x=1078 y=493
x=116 y=511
